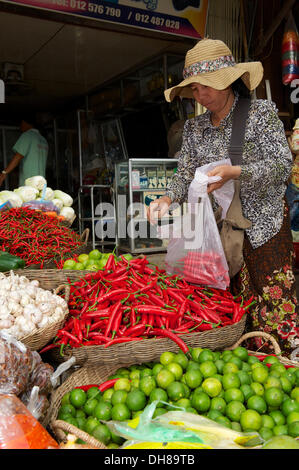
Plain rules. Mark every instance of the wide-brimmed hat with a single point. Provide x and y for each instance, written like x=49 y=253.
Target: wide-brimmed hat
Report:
x=211 y=63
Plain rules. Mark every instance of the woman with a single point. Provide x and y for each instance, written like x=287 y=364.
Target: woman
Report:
x=210 y=76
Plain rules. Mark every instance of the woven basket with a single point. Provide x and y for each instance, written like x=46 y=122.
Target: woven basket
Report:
x=39 y=338
x=268 y=338
x=50 y=277
x=148 y=349
x=83 y=376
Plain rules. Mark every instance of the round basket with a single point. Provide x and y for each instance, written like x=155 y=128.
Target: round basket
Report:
x=42 y=336
x=83 y=376
x=148 y=349
x=50 y=277
x=268 y=338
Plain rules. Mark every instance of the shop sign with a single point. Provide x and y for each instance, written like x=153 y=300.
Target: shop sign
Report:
x=179 y=17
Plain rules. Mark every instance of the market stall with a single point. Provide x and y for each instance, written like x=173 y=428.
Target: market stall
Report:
x=109 y=351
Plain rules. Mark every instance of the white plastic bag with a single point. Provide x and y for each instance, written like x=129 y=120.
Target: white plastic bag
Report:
x=195 y=251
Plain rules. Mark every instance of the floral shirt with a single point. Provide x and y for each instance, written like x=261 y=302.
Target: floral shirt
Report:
x=267 y=164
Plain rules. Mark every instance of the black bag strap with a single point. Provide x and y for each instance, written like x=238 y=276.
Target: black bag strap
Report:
x=240 y=114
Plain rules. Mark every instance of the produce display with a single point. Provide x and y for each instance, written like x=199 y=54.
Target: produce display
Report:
x=36 y=238
x=35 y=194
x=92 y=261
x=25 y=307
x=231 y=387
x=127 y=300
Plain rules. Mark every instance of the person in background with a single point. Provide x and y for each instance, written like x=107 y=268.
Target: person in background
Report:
x=30 y=152
x=175 y=138
x=210 y=77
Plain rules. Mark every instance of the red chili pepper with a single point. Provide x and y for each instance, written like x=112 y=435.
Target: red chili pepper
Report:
x=108 y=384
x=48 y=347
x=112 y=316
x=136 y=330
x=168 y=334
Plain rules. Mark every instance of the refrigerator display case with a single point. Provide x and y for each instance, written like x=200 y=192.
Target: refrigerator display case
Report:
x=138 y=181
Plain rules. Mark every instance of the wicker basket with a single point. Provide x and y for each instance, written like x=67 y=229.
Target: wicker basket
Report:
x=83 y=376
x=148 y=349
x=268 y=338
x=39 y=338
x=48 y=277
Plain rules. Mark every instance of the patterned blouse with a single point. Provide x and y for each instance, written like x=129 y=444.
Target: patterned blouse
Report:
x=267 y=164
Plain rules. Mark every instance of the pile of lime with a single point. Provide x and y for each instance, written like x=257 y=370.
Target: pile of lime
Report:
x=232 y=388
x=92 y=261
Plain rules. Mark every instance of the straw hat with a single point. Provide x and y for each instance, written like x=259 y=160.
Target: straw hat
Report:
x=210 y=62
x=296 y=126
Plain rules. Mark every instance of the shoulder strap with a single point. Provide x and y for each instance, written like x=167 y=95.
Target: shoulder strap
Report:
x=238 y=130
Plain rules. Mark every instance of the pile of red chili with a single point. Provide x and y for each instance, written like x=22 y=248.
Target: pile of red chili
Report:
x=131 y=301
x=36 y=237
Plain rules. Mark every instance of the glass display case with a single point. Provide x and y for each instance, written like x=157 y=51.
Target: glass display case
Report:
x=138 y=181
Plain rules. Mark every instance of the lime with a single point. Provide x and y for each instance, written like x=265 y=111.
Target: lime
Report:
x=234 y=409
x=230 y=367
x=135 y=374
x=246 y=367
x=212 y=387
x=116 y=439
x=244 y=377
x=175 y=391
x=71 y=420
x=136 y=400
x=277 y=369
x=213 y=414
x=64 y=416
x=195 y=352
x=83 y=257
x=90 y=405
x=205 y=355
x=235 y=360
x=94 y=254
x=145 y=372
x=159 y=411
x=193 y=378
x=108 y=394
x=183 y=402
x=294 y=393
x=90 y=424
x=219 y=365
x=250 y=420
x=81 y=422
x=290 y=376
x=78 y=397
x=268 y=421
x=273 y=396
x=292 y=417
x=182 y=360
x=176 y=369
x=80 y=414
x=224 y=421
x=164 y=378
x=103 y=411
x=226 y=356
x=119 y=396
x=281 y=442
x=65 y=399
x=93 y=392
x=120 y=412
x=265 y=433
x=187 y=390
x=207 y=368
x=233 y=394
x=79 y=266
x=122 y=384
x=167 y=357
x=230 y=381
x=236 y=426
x=101 y=433
x=158 y=394
x=271 y=360
x=288 y=406
x=147 y=384
x=293 y=429
x=257 y=403
x=201 y=401
x=257 y=388
x=247 y=391
x=157 y=367
x=260 y=374
x=218 y=376
x=190 y=409
x=241 y=353
x=272 y=381
x=193 y=365
x=252 y=359
x=69 y=264
x=218 y=404
x=278 y=417
x=67 y=408
x=280 y=430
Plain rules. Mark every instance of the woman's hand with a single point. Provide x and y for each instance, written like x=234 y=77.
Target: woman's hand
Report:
x=227 y=172
x=158 y=208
